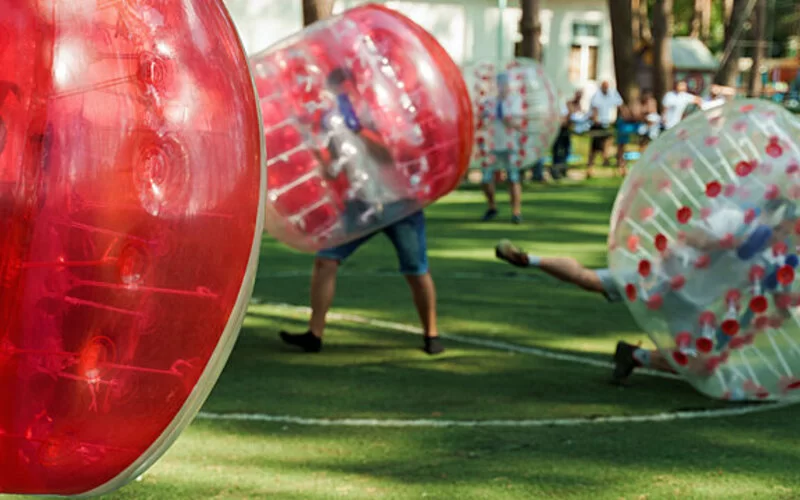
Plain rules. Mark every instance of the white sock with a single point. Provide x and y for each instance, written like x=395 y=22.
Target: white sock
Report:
x=533 y=260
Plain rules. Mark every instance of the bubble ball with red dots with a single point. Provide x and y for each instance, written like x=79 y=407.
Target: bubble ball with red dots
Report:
x=703 y=245
x=537 y=118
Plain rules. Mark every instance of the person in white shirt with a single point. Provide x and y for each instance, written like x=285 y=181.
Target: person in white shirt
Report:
x=505 y=113
x=733 y=244
x=602 y=108
x=675 y=103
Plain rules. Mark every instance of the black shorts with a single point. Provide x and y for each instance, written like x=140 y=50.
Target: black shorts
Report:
x=600 y=135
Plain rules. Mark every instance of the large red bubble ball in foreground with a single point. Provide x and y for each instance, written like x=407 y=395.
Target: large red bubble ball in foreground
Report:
x=366 y=120
x=703 y=247
x=518 y=90
x=130 y=174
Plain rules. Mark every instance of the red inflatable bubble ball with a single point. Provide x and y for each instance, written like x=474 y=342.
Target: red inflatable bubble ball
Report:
x=366 y=120
x=131 y=199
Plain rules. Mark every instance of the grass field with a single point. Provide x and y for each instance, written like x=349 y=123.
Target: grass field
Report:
x=377 y=373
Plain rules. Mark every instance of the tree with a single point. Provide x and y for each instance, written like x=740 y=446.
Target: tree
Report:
x=621 y=14
x=734 y=27
x=316 y=10
x=701 y=20
x=640 y=23
x=759 y=32
x=531 y=30
x=662 y=48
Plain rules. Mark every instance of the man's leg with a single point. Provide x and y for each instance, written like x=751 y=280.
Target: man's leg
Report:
x=565 y=269
x=487 y=185
x=628 y=357
x=323 y=291
x=515 y=191
x=594 y=147
x=409 y=240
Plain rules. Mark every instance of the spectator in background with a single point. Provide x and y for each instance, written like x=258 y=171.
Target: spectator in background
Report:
x=602 y=108
x=580 y=122
x=562 y=145
x=651 y=120
x=627 y=125
x=676 y=102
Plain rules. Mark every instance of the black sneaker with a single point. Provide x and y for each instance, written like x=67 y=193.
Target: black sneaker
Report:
x=505 y=250
x=516 y=219
x=307 y=341
x=433 y=345
x=624 y=362
x=490 y=214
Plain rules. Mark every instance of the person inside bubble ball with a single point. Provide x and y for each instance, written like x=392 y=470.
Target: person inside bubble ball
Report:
x=377 y=190
x=504 y=111
x=685 y=305
x=356 y=149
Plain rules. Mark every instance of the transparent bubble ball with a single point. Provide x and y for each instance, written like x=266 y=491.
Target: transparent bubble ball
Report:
x=703 y=248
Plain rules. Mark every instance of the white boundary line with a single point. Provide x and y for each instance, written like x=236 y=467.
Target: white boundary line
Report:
x=556 y=422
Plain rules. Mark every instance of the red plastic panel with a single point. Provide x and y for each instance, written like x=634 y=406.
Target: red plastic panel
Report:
x=405 y=143
x=130 y=201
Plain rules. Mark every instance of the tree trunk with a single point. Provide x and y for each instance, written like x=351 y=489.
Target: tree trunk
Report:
x=727 y=11
x=316 y=10
x=645 y=35
x=759 y=30
x=662 y=49
x=705 y=22
x=701 y=20
x=531 y=30
x=729 y=65
x=621 y=14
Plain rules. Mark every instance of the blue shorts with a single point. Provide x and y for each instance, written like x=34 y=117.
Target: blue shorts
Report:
x=502 y=161
x=408 y=237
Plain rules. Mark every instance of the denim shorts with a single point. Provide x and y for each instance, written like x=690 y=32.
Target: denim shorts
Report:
x=408 y=237
x=610 y=288
x=502 y=161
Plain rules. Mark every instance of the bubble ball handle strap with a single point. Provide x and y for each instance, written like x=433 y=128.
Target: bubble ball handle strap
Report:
x=348 y=112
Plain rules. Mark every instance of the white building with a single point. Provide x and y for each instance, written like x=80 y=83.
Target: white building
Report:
x=576 y=34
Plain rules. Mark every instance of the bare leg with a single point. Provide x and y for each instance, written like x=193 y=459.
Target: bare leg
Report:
x=323 y=290
x=571 y=271
x=659 y=362
x=621 y=164
x=590 y=163
x=488 y=190
x=423 y=292
x=515 y=190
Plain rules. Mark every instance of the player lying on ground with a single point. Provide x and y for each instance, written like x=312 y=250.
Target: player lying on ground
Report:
x=778 y=214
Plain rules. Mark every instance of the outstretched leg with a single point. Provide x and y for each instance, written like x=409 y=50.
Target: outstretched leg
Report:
x=566 y=269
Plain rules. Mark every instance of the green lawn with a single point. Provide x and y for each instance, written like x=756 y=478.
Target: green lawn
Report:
x=376 y=373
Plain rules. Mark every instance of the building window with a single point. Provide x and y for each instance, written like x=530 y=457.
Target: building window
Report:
x=584 y=52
